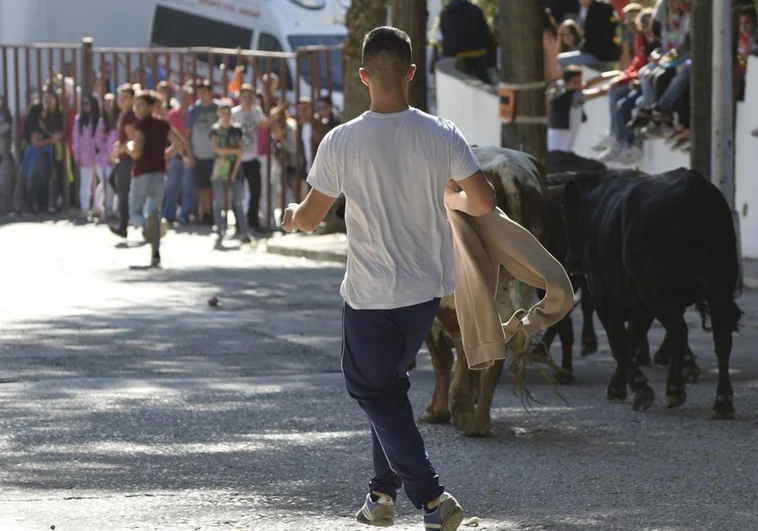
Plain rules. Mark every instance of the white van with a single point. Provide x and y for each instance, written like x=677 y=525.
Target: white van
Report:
x=268 y=25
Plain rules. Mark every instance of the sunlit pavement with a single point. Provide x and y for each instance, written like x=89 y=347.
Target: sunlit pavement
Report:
x=127 y=402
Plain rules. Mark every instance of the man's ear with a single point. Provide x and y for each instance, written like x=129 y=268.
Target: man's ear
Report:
x=363 y=75
x=411 y=73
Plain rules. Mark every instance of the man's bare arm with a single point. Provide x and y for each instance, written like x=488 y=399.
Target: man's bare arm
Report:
x=473 y=195
x=307 y=215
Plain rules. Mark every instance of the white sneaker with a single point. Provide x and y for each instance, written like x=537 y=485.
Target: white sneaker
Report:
x=630 y=155
x=604 y=143
x=611 y=154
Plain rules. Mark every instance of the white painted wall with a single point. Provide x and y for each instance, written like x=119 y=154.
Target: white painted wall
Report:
x=476 y=114
x=474 y=111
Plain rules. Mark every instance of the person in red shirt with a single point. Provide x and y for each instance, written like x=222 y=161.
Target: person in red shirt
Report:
x=123 y=163
x=179 y=179
x=148 y=149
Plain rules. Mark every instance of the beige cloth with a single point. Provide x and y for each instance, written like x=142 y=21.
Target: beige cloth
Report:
x=481 y=246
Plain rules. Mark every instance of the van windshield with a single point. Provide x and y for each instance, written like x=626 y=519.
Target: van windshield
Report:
x=335 y=58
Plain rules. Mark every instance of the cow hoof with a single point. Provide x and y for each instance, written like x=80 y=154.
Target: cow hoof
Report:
x=691 y=374
x=435 y=417
x=643 y=398
x=723 y=408
x=616 y=394
x=675 y=398
x=463 y=416
x=564 y=377
x=478 y=431
x=589 y=347
x=661 y=360
x=691 y=371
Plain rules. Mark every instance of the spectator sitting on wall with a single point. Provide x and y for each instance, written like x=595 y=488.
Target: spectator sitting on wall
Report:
x=598 y=20
x=566 y=112
x=466 y=36
x=570 y=35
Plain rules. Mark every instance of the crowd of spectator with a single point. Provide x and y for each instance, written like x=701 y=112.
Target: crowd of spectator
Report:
x=80 y=158
x=642 y=49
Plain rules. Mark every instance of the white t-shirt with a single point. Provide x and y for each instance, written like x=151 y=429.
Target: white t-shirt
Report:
x=392 y=169
x=248 y=121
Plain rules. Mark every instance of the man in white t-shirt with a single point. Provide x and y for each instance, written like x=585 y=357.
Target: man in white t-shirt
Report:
x=249 y=116
x=397 y=167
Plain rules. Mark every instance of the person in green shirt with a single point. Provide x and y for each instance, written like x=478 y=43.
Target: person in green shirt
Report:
x=226 y=138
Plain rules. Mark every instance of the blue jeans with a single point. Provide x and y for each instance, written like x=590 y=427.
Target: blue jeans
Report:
x=623 y=113
x=179 y=181
x=647 y=87
x=145 y=199
x=576 y=58
x=614 y=96
x=675 y=89
x=237 y=189
x=377 y=348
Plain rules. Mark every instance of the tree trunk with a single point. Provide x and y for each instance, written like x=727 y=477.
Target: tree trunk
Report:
x=411 y=16
x=522 y=62
x=700 y=99
x=362 y=17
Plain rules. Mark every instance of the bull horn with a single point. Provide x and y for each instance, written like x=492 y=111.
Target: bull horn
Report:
x=556 y=191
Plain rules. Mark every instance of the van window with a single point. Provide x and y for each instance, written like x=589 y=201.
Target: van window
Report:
x=269 y=43
x=177 y=29
x=335 y=58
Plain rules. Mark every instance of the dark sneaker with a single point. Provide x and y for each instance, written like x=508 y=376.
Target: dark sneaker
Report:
x=156 y=260
x=245 y=240
x=379 y=513
x=118 y=231
x=447 y=516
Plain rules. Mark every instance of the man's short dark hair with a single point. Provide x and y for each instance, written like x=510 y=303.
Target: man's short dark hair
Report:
x=570 y=72
x=147 y=96
x=127 y=88
x=387 y=54
x=203 y=84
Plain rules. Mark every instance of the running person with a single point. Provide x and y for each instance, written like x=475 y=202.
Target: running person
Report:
x=148 y=149
x=394 y=164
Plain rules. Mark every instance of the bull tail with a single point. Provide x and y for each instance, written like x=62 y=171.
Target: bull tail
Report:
x=719 y=275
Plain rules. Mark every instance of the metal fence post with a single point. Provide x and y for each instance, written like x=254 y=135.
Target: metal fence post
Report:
x=88 y=66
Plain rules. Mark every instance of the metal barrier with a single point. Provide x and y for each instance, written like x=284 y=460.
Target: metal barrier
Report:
x=77 y=69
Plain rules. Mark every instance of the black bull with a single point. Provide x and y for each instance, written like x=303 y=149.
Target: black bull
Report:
x=651 y=246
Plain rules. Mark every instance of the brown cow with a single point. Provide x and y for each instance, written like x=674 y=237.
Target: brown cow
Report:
x=521 y=186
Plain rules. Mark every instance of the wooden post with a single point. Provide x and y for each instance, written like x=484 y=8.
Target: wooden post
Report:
x=701 y=75
x=362 y=17
x=411 y=17
x=88 y=67
x=522 y=64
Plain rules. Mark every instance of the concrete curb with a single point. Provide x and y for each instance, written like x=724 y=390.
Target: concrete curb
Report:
x=750 y=267
x=311 y=254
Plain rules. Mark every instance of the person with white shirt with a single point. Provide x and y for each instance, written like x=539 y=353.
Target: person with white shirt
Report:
x=249 y=116
x=398 y=169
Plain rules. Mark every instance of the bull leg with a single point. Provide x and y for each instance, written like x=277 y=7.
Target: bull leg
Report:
x=440 y=351
x=566 y=333
x=488 y=380
x=725 y=317
x=462 y=390
x=676 y=328
x=639 y=325
x=642 y=394
x=589 y=336
x=691 y=370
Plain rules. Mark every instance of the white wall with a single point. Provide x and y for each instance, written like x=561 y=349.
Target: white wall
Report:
x=474 y=111
x=476 y=114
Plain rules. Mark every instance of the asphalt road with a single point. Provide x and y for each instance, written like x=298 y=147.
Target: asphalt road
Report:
x=126 y=402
